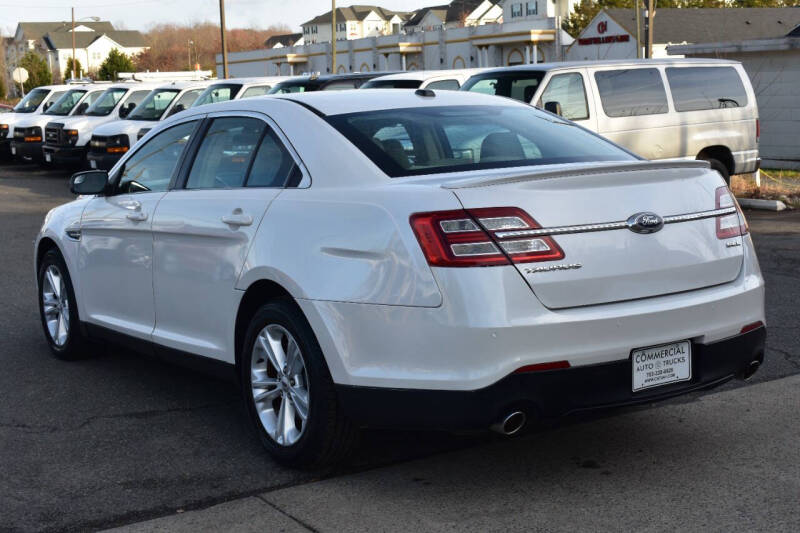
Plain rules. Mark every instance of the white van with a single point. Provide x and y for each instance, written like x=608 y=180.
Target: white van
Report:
x=28 y=137
x=236 y=88
x=110 y=141
x=67 y=141
x=659 y=108
x=36 y=102
x=442 y=80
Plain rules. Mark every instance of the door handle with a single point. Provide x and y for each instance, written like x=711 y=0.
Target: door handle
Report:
x=137 y=216
x=131 y=205
x=237 y=220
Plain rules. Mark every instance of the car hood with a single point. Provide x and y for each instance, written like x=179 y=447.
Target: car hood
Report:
x=119 y=127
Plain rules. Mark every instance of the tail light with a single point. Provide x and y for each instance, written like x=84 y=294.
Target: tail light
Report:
x=732 y=225
x=464 y=238
x=758 y=130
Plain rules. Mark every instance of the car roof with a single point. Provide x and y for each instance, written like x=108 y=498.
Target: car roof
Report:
x=181 y=85
x=248 y=81
x=423 y=75
x=538 y=67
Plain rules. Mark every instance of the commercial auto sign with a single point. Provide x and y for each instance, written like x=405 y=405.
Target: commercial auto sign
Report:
x=602 y=27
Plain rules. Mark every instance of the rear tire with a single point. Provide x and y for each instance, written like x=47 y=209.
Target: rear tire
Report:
x=58 y=309
x=294 y=409
x=719 y=167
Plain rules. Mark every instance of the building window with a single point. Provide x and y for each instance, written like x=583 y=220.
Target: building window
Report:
x=341 y=26
x=531 y=8
x=516 y=10
x=313 y=29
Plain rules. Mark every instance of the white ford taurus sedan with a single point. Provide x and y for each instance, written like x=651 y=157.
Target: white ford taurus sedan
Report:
x=405 y=258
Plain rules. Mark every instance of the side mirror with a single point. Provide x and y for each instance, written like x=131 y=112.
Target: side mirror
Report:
x=89 y=182
x=47 y=106
x=125 y=110
x=82 y=108
x=177 y=109
x=553 y=107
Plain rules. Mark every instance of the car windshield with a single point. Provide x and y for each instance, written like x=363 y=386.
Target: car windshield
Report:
x=153 y=107
x=66 y=103
x=434 y=140
x=107 y=102
x=287 y=87
x=392 y=84
x=31 y=103
x=517 y=85
x=218 y=93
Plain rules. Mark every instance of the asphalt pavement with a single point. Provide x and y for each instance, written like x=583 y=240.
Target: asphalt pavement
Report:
x=121 y=438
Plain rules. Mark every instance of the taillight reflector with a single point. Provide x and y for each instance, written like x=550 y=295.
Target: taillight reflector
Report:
x=541 y=367
x=733 y=225
x=751 y=327
x=461 y=238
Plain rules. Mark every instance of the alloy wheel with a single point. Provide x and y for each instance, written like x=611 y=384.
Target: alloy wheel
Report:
x=279 y=384
x=55 y=304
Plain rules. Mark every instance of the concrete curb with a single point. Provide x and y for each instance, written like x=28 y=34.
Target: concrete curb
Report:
x=767 y=205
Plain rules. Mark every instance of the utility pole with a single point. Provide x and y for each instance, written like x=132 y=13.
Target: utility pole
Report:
x=651 y=15
x=73 y=43
x=333 y=36
x=637 y=11
x=224 y=42
x=189 y=52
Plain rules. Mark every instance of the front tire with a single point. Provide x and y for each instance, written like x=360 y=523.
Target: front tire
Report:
x=288 y=391
x=58 y=308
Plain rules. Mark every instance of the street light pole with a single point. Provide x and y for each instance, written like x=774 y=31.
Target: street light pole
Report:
x=73 y=43
x=638 y=15
x=333 y=36
x=651 y=15
x=224 y=42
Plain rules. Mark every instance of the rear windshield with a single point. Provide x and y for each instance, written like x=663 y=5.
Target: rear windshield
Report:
x=153 y=107
x=31 y=103
x=287 y=87
x=517 y=85
x=218 y=93
x=66 y=103
x=392 y=84
x=434 y=140
x=106 y=103
x=699 y=88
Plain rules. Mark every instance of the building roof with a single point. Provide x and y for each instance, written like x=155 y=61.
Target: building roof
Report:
x=459 y=9
x=439 y=11
x=286 y=39
x=125 y=38
x=795 y=32
x=37 y=30
x=357 y=13
x=700 y=25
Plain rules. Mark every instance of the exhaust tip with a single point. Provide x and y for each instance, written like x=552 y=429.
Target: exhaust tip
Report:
x=511 y=424
x=752 y=368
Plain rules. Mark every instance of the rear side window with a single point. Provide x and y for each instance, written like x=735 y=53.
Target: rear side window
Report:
x=391 y=84
x=631 y=92
x=569 y=92
x=225 y=153
x=273 y=164
x=697 y=88
x=444 y=85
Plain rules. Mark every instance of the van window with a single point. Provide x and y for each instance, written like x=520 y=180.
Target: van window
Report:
x=340 y=86
x=444 y=85
x=520 y=85
x=696 y=88
x=567 y=90
x=631 y=92
x=256 y=90
x=218 y=93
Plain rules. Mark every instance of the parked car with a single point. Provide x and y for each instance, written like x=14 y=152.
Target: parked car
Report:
x=660 y=109
x=5 y=108
x=35 y=102
x=28 y=136
x=235 y=88
x=423 y=79
x=110 y=141
x=327 y=82
x=66 y=142
x=396 y=258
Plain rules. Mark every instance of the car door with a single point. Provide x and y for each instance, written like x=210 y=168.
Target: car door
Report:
x=116 y=241
x=204 y=227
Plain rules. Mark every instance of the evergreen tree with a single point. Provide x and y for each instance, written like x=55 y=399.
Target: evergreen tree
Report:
x=78 y=68
x=38 y=71
x=115 y=63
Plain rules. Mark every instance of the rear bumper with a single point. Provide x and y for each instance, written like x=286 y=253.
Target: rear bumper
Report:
x=71 y=155
x=546 y=394
x=746 y=161
x=27 y=151
x=102 y=161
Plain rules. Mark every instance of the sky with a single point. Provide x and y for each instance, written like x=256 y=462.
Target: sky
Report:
x=140 y=15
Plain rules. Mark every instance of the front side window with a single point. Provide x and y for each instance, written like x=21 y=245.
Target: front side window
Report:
x=106 y=103
x=407 y=142
x=224 y=156
x=698 y=88
x=186 y=100
x=154 y=105
x=631 y=92
x=32 y=101
x=92 y=98
x=150 y=169
x=569 y=92
x=218 y=93
x=66 y=103
x=520 y=86
x=444 y=85
x=257 y=90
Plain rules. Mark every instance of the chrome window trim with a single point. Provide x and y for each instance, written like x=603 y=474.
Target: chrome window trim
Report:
x=608 y=226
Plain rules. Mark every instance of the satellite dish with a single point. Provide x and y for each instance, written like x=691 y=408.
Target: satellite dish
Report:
x=20 y=75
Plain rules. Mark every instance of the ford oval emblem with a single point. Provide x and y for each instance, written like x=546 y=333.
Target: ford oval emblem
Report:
x=645 y=223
